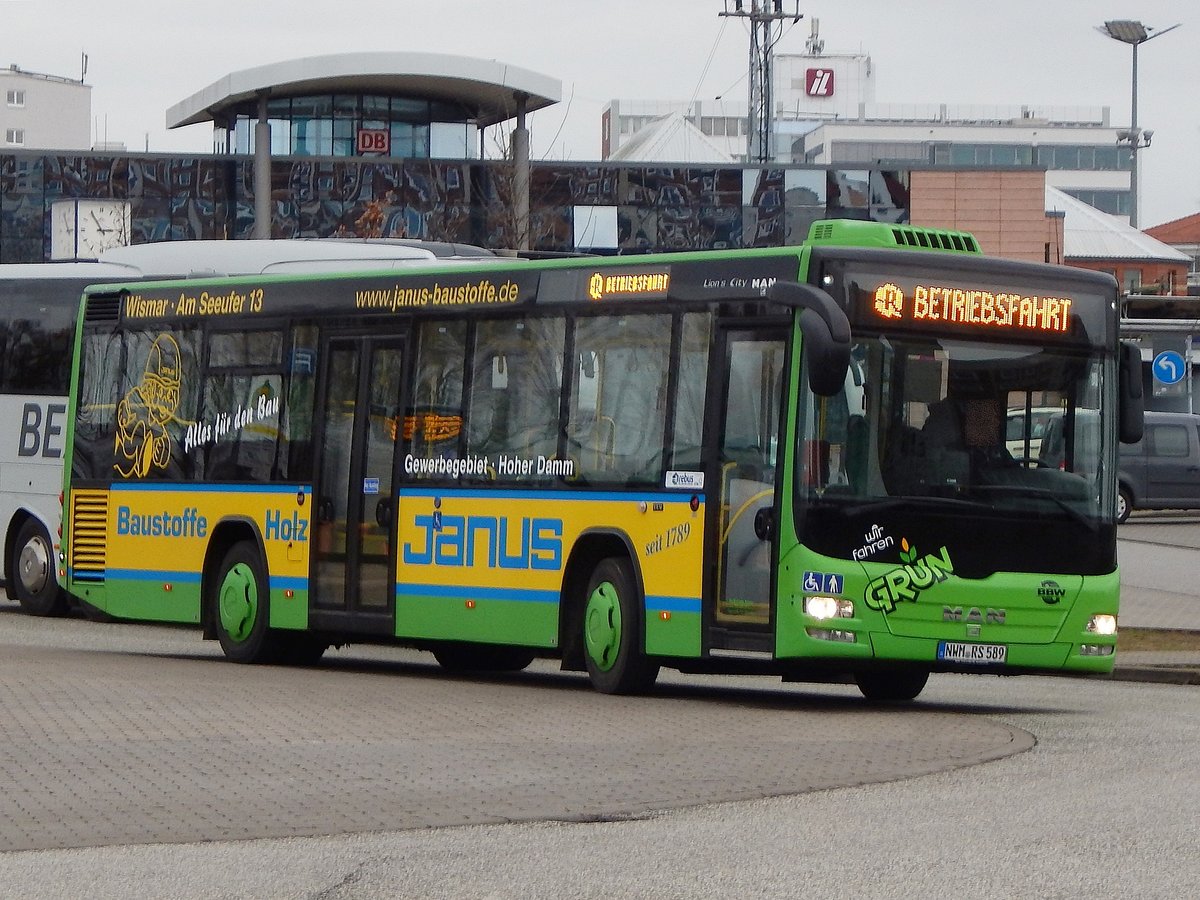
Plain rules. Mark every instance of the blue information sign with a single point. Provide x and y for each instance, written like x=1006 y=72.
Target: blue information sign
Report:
x=1169 y=367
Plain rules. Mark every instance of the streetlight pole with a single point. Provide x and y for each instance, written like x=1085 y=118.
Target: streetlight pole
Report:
x=1135 y=34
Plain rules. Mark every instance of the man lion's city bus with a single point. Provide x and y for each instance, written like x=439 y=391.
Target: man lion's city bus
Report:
x=38 y=303
x=787 y=461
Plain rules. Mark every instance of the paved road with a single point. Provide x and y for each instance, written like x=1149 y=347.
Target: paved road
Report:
x=1159 y=554
x=1103 y=804
x=142 y=739
x=136 y=734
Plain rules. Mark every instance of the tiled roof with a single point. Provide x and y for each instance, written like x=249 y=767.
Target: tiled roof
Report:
x=1178 y=231
x=1091 y=234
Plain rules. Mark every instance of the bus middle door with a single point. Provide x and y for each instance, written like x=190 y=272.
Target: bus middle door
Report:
x=750 y=380
x=353 y=579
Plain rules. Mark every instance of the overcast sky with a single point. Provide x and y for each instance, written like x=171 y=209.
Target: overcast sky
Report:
x=146 y=55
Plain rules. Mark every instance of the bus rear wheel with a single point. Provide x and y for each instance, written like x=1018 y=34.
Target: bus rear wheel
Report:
x=612 y=631
x=241 y=607
x=891 y=685
x=32 y=567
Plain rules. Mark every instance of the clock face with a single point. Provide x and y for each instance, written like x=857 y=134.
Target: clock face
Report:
x=102 y=224
x=83 y=229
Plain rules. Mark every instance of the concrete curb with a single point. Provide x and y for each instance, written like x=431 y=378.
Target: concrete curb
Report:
x=1164 y=674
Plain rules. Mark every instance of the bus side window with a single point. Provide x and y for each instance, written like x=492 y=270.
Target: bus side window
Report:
x=691 y=380
x=242 y=399
x=157 y=404
x=618 y=410
x=295 y=457
x=432 y=424
x=516 y=387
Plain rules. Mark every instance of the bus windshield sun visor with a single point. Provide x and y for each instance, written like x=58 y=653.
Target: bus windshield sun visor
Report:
x=826 y=334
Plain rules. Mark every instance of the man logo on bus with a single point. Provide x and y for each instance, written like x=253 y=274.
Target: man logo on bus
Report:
x=889 y=301
x=142 y=440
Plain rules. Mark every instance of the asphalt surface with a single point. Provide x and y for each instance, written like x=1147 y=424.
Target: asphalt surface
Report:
x=380 y=776
x=1159 y=554
x=133 y=734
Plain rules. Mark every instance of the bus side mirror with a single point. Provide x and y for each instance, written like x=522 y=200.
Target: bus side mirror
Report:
x=828 y=358
x=826 y=333
x=1131 y=403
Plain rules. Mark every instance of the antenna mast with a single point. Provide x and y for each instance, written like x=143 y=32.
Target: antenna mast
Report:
x=766 y=27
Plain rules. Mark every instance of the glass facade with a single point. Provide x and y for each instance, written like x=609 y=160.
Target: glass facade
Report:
x=1114 y=203
x=332 y=125
x=657 y=208
x=1064 y=157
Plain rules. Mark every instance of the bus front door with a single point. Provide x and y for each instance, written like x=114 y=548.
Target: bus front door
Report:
x=353 y=584
x=743 y=613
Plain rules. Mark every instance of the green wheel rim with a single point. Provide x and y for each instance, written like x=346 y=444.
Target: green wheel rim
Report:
x=602 y=626
x=239 y=602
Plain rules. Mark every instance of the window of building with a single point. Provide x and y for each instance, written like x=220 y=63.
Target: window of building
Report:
x=329 y=125
x=14 y=137
x=1083 y=157
x=16 y=99
x=878 y=151
x=1115 y=203
x=990 y=155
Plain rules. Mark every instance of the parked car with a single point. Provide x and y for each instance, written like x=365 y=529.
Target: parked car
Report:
x=1161 y=471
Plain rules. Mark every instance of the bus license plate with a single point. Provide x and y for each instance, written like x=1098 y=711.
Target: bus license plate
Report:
x=954 y=651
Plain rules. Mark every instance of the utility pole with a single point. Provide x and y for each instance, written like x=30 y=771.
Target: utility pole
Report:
x=766 y=19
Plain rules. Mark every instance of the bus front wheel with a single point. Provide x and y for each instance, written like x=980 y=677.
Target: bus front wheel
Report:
x=891 y=685
x=612 y=632
x=32 y=567
x=241 y=606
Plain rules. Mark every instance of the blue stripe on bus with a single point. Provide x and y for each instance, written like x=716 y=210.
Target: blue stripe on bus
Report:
x=673 y=604
x=212 y=488
x=581 y=495
x=521 y=595
x=284 y=583
x=153 y=575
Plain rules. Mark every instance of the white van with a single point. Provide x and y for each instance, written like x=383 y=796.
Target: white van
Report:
x=1015 y=430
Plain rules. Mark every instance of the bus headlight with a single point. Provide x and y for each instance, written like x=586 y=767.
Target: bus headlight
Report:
x=829 y=607
x=1102 y=624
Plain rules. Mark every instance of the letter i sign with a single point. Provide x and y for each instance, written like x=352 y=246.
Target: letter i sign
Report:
x=818 y=82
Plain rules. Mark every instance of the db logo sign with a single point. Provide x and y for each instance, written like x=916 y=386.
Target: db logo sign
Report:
x=374 y=140
x=818 y=82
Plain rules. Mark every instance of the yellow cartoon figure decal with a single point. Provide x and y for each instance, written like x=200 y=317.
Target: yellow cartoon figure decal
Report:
x=143 y=442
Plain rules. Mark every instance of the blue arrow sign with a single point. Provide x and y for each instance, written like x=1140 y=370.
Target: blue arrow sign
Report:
x=1169 y=367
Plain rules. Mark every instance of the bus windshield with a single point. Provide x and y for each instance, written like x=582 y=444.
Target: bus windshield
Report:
x=930 y=435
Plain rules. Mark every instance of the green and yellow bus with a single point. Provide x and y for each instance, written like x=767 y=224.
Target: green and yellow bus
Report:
x=784 y=461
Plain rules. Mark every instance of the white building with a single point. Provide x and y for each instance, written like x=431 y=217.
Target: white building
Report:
x=44 y=112
x=825 y=113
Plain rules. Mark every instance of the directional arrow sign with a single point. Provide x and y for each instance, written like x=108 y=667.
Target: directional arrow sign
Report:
x=1169 y=367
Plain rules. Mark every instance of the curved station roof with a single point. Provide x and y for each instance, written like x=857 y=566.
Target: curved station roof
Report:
x=487 y=87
